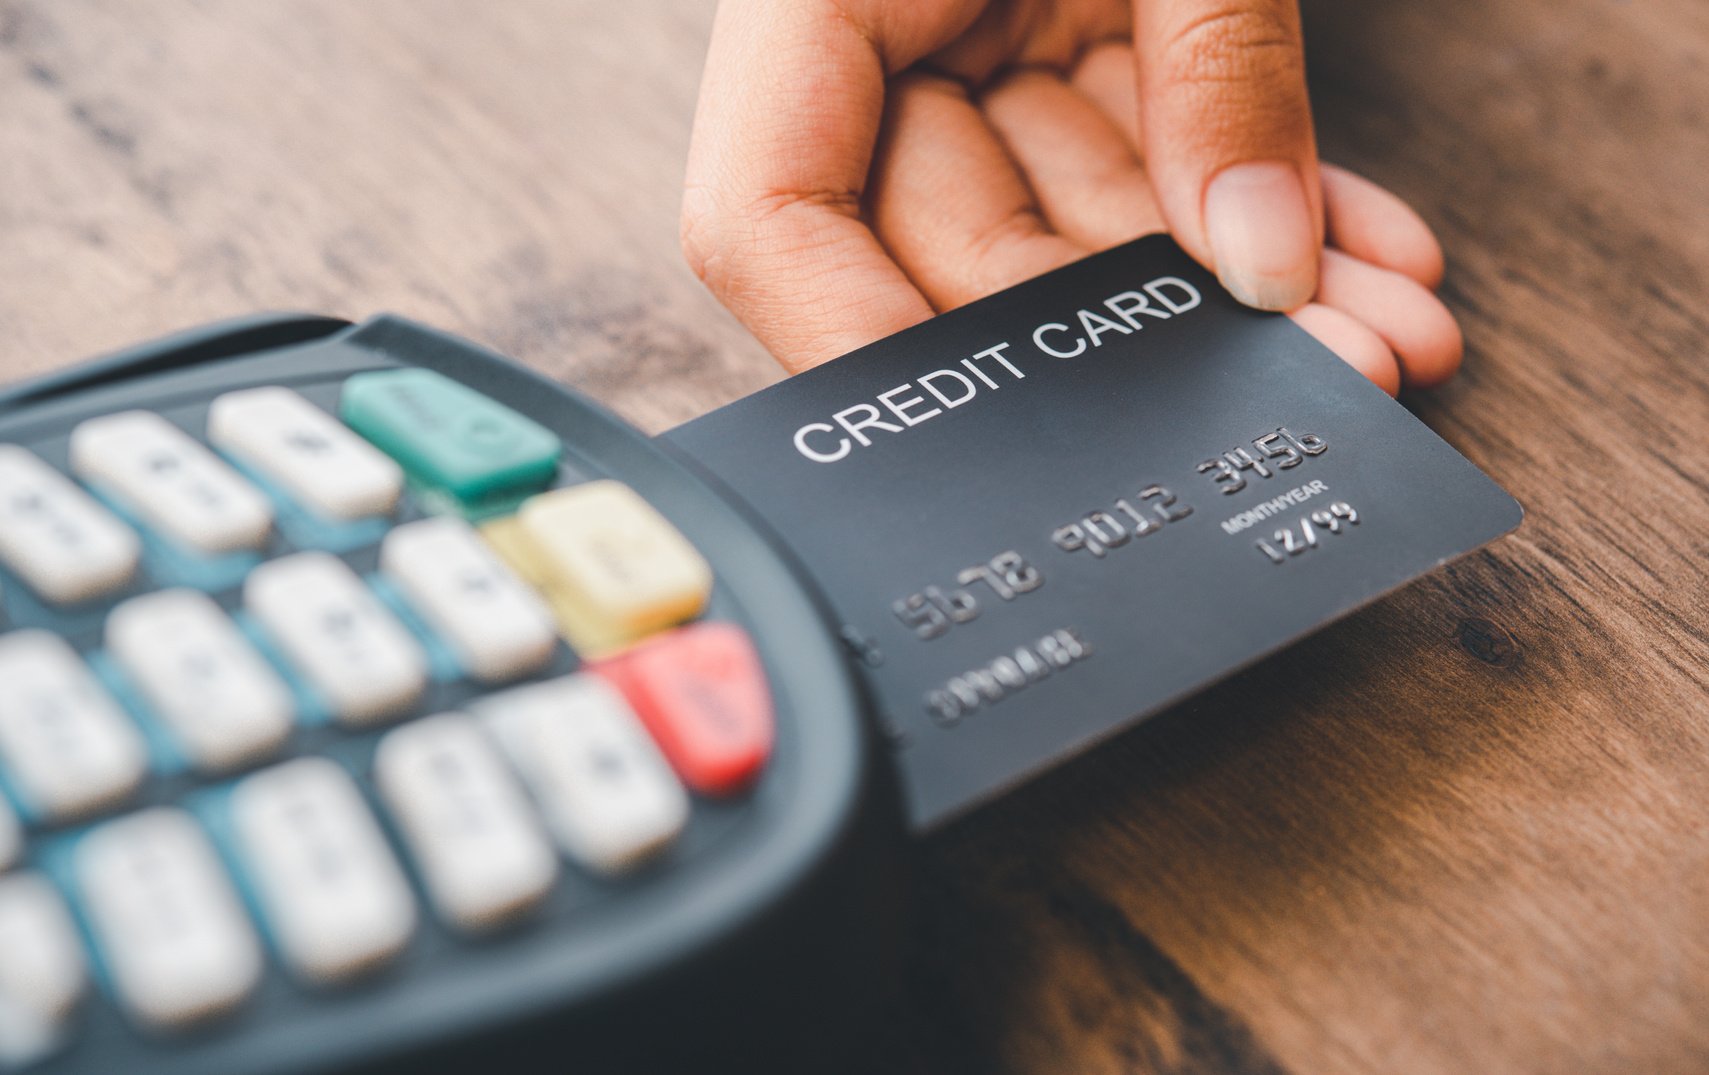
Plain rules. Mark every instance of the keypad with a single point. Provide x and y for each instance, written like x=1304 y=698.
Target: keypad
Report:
x=429 y=678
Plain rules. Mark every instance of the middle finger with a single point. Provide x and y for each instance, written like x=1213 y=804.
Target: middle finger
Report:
x=1089 y=183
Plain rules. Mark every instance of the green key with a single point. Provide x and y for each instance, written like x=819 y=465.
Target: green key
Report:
x=450 y=438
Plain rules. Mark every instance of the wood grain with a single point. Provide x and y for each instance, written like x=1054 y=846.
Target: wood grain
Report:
x=1465 y=831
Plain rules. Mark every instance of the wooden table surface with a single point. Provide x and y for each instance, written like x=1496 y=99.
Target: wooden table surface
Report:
x=1465 y=831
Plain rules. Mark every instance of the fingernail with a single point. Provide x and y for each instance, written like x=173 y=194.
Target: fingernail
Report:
x=1261 y=235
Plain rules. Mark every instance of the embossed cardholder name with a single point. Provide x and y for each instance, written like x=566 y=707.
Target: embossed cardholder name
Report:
x=1050 y=513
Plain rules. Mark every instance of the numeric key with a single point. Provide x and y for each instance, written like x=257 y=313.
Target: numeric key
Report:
x=466 y=819
x=42 y=972
x=168 y=922
x=496 y=625
x=338 y=635
x=69 y=748
x=316 y=458
x=332 y=891
x=225 y=705
x=606 y=792
x=177 y=485
x=57 y=537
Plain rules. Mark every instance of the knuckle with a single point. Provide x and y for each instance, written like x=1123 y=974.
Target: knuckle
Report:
x=781 y=206
x=721 y=242
x=1014 y=227
x=1250 y=42
x=695 y=233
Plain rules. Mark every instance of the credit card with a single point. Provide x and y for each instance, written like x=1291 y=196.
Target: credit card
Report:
x=1056 y=511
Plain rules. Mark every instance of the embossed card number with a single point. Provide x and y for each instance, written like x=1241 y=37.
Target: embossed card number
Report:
x=1275 y=452
x=931 y=612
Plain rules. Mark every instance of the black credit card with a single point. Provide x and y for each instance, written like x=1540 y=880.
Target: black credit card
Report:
x=1055 y=511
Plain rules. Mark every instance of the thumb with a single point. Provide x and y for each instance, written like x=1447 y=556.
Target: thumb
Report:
x=1228 y=141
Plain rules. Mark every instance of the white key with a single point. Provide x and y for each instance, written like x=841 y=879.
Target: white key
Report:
x=497 y=626
x=59 y=538
x=605 y=789
x=42 y=972
x=68 y=746
x=336 y=632
x=310 y=453
x=224 y=703
x=180 y=487
x=11 y=837
x=334 y=895
x=467 y=821
x=176 y=941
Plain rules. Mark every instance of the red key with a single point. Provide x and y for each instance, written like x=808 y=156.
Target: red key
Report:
x=702 y=694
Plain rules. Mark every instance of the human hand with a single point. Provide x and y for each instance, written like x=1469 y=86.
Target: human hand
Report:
x=858 y=165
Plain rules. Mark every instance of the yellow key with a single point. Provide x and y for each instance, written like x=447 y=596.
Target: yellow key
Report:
x=611 y=566
x=510 y=541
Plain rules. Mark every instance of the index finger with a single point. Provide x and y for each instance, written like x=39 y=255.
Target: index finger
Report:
x=789 y=111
